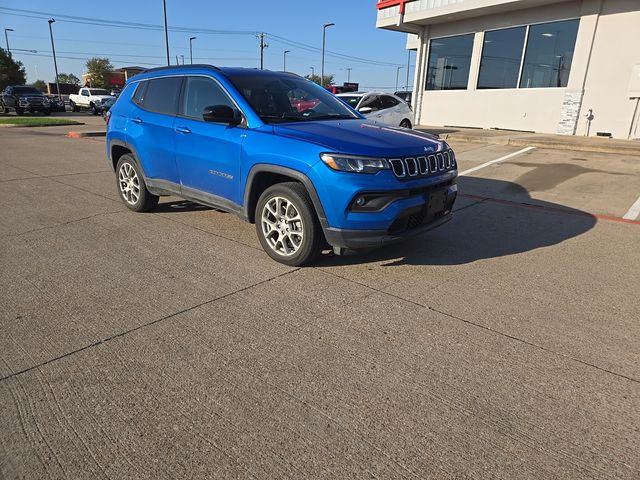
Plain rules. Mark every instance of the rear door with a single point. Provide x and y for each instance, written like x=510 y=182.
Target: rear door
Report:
x=207 y=153
x=388 y=110
x=150 y=127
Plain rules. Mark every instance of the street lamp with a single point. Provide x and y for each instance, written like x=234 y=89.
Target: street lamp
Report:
x=348 y=69
x=397 y=75
x=191 y=39
x=166 y=30
x=284 y=60
x=324 y=38
x=55 y=63
x=6 y=37
x=313 y=72
x=182 y=57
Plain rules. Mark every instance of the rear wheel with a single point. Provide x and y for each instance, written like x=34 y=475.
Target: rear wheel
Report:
x=131 y=186
x=287 y=224
x=406 y=123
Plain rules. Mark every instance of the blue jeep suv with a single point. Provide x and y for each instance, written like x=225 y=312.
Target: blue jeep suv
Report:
x=281 y=152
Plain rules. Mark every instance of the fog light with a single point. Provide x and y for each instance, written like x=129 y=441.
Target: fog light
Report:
x=360 y=201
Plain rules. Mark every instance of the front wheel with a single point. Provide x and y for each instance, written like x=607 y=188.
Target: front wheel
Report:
x=74 y=107
x=287 y=224
x=131 y=186
x=405 y=123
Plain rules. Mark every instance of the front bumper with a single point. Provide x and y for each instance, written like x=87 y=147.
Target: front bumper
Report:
x=433 y=211
x=360 y=239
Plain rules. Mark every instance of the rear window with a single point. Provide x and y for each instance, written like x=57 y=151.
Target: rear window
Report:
x=351 y=100
x=161 y=95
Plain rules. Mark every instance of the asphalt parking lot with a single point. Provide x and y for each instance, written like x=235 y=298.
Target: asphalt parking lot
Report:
x=168 y=345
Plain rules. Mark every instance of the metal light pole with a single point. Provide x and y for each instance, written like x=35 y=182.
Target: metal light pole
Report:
x=408 y=68
x=324 y=39
x=349 y=74
x=284 y=60
x=166 y=31
x=397 y=76
x=182 y=57
x=6 y=37
x=313 y=71
x=263 y=45
x=55 y=63
x=191 y=39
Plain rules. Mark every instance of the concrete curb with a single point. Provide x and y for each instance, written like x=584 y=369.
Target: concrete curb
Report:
x=85 y=134
x=633 y=148
x=19 y=125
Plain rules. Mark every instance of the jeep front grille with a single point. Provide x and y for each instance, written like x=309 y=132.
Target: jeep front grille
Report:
x=421 y=166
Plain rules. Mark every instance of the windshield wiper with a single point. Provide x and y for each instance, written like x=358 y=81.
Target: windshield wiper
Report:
x=281 y=117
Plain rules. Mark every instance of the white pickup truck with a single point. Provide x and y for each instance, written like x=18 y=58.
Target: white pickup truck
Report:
x=92 y=98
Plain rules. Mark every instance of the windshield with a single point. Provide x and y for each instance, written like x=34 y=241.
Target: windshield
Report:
x=287 y=98
x=26 y=90
x=351 y=100
x=98 y=91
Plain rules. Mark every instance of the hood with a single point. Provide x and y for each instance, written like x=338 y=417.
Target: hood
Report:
x=361 y=137
x=22 y=95
x=102 y=97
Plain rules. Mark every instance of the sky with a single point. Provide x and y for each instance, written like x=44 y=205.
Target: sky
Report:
x=225 y=32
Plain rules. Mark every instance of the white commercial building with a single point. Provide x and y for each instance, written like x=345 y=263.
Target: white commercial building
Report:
x=568 y=67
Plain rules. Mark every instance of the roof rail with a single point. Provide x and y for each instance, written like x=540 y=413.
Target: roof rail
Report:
x=176 y=67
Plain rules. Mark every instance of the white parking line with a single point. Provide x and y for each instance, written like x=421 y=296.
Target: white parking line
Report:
x=501 y=159
x=634 y=211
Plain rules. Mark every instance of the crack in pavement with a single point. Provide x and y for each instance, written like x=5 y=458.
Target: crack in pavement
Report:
x=487 y=328
x=144 y=325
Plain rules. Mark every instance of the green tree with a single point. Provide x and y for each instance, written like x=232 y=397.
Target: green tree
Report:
x=40 y=85
x=99 y=71
x=328 y=79
x=11 y=72
x=69 y=78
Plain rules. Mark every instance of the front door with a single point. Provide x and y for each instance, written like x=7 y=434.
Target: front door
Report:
x=208 y=154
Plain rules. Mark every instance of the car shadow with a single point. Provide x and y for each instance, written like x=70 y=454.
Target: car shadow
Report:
x=492 y=218
x=180 y=206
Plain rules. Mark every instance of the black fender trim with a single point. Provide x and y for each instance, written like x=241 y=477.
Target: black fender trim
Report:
x=120 y=143
x=289 y=172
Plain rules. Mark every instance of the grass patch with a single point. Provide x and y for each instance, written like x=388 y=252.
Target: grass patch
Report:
x=37 y=121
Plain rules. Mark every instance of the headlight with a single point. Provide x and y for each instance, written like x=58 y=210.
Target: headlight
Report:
x=353 y=163
x=23 y=101
x=45 y=101
x=97 y=101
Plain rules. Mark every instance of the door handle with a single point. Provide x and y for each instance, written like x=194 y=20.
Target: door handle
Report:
x=136 y=120
x=182 y=130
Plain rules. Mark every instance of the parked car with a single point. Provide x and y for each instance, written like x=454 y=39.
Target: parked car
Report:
x=89 y=98
x=380 y=107
x=56 y=103
x=231 y=139
x=405 y=95
x=105 y=105
x=115 y=92
x=24 y=99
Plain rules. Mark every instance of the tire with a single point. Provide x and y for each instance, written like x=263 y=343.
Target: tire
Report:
x=4 y=107
x=73 y=106
x=294 y=242
x=406 y=123
x=130 y=182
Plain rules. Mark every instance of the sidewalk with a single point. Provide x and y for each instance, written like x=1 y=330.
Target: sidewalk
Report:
x=527 y=139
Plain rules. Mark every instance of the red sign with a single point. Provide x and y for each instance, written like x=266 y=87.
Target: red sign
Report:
x=393 y=3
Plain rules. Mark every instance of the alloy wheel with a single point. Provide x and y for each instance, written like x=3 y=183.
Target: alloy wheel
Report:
x=282 y=226
x=129 y=183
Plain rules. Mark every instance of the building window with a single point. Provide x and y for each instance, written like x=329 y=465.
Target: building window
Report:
x=449 y=62
x=501 y=58
x=547 y=60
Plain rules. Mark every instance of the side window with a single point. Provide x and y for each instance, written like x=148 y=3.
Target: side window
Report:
x=161 y=95
x=387 y=102
x=85 y=93
x=372 y=101
x=138 y=96
x=202 y=92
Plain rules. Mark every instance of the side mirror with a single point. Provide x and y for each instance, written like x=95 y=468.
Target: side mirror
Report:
x=365 y=110
x=221 y=114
